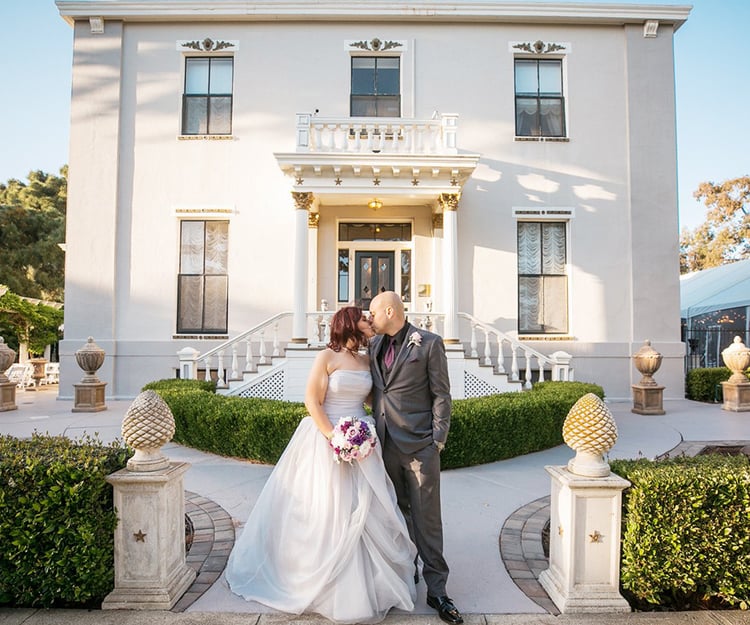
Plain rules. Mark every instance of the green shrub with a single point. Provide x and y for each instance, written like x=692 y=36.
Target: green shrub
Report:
x=686 y=532
x=56 y=521
x=705 y=384
x=483 y=429
x=178 y=384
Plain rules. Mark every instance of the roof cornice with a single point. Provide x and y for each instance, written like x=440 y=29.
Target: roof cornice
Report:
x=381 y=10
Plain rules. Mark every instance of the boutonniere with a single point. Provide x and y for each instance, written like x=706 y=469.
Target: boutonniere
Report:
x=415 y=339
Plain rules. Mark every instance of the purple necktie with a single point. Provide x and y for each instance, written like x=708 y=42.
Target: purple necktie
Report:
x=390 y=353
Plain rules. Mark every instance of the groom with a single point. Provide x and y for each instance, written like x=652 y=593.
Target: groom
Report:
x=412 y=407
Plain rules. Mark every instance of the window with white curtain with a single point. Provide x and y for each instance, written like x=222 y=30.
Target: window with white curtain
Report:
x=203 y=283
x=542 y=278
x=207 y=101
x=540 y=106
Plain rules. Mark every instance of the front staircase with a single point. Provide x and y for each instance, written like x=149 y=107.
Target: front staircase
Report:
x=261 y=362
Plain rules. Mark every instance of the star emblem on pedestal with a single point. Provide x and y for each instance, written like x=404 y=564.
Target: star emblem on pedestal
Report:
x=140 y=537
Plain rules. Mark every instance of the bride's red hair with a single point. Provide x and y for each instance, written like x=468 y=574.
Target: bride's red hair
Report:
x=344 y=327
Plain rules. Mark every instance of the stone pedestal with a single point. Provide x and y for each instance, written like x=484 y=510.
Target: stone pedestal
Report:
x=7 y=396
x=648 y=399
x=736 y=396
x=584 y=558
x=39 y=373
x=89 y=397
x=150 y=568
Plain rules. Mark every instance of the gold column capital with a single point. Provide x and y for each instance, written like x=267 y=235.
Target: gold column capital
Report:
x=449 y=201
x=313 y=219
x=437 y=221
x=302 y=199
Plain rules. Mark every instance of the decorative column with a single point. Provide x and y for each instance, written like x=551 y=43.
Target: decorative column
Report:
x=313 y=219
x=7 y=388
x=647 y=394
x=302 y=202
x=585 y=516
x=150 y=568
x=449 y=204
x=736 y=390
x=89 y=394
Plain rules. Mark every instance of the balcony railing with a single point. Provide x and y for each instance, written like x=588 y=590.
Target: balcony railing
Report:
x=377 y=135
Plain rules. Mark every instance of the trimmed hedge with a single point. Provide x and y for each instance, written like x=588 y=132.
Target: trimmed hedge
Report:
x=686 y=532
x=57 y=521
x=705 y=384
x=483 y=429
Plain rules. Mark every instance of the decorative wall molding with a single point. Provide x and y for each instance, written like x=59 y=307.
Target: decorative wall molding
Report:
x=223 y=212
x=207 y=45
x=96 y=24
x=375 y=45
x=539 y=47
x=553 y=213
x=651 y=28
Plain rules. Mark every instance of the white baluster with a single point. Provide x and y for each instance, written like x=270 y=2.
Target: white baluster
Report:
x=514 y=364
x=474 y=353
x=220 y=372
x=527 y=376
x=276 y=346
x=357 y=137
x=317 y=137
x=487 y=348
x=370 y=133
x=408 y=140
x=207 y=366
x=235 y=363
x=540 y=364
x=262 y=349
x=500 y=357
x=248 y=354
x=331 y=137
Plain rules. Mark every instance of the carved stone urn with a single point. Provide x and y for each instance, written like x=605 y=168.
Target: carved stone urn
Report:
x=90 y=358
x=590 y=430
x=7 y=358
x=647 y=361
x=737 y=358
x=7 y=388
x=148 y=425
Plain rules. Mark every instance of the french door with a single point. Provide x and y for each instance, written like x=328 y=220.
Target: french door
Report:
x=373 y=274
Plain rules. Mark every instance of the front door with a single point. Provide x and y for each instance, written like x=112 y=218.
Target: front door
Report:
x=373 y=274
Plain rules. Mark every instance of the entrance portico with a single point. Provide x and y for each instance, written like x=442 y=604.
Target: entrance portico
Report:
x=376 y=204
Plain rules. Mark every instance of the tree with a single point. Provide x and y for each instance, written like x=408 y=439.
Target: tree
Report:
x=32 y=225
x=31 y=323
x=725 y=235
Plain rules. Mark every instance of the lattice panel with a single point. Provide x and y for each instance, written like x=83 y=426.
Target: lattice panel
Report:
x=271 y=387
x=475 y=387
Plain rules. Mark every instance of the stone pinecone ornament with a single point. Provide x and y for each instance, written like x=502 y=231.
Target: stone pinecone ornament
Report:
x=591 y=431
x=148 y=425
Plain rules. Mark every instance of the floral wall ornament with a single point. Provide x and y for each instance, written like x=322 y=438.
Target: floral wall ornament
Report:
x=539 y=47
x=376 y=45
x=208 y=45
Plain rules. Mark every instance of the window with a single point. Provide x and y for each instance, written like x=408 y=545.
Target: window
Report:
x=540 y=106
x=207 y=102
x=376 y=86
x=202 y=287
x=542 y=281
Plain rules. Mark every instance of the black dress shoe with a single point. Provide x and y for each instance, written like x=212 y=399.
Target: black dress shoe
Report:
x=416 y=577
x=446 y=610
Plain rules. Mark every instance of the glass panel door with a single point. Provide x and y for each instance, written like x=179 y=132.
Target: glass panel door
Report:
x=373 y=274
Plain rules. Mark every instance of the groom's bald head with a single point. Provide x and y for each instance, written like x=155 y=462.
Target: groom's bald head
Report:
x=387 y=314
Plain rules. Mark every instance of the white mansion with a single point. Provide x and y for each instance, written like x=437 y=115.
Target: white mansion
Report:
x=238 y=170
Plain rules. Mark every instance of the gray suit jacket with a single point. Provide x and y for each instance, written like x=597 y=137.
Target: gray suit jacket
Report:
x=414 y=404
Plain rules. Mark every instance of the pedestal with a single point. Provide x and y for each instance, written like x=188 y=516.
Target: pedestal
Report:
x=89 y=397
x=648 y=399
x=584 y=550
x=150 y=568
x=7 y=396
x=736 y=396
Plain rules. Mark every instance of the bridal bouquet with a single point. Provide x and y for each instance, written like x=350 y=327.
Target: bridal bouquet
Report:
x=353 y=439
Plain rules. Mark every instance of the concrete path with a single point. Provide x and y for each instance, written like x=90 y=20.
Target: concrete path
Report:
x=476 y=503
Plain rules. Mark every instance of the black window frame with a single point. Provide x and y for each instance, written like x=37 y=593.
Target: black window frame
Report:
x=537 y=128
x=376 y=95
x=208 y=97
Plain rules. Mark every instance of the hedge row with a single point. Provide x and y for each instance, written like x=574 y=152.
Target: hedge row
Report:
x=483 y=429
x=686 y=532
x=56 y=521
x=705 y=384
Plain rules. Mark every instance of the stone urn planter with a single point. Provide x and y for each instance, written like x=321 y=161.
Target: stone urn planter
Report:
x=648 y=396
x=7 y=388
x=736 y=390
x=89 y=393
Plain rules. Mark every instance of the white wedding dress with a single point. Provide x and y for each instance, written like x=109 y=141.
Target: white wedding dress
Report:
x=325 y=537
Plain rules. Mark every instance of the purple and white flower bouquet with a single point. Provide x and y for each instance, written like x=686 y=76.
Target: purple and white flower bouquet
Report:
x=353 y=439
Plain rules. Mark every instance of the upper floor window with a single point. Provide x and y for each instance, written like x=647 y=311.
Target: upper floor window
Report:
x=207 y=102
x=540 y=106
x=542 y=279
x=203 y=283
x=376 y=86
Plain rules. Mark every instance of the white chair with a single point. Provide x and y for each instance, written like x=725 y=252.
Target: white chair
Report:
x=21 y=374
x=52 y=373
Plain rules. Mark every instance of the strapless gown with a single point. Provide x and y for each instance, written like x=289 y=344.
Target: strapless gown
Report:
x=325 y=537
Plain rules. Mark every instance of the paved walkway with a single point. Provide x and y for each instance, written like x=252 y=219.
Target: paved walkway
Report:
x=488 y=510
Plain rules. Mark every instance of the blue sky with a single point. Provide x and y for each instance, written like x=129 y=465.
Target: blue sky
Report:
x=712 y=80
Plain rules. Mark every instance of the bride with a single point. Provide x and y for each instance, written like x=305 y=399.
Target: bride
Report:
x=326 y=537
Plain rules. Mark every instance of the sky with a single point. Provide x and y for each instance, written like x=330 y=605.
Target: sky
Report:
x=712 y=78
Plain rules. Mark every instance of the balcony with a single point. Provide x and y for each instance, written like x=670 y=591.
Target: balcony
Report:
x=377 y=135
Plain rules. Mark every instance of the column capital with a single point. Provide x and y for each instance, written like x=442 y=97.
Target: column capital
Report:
x=437 y=221
x=313 y=219
x=449 y=201
x=302 y=199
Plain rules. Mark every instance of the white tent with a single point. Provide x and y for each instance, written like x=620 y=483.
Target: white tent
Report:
x=718 y=288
